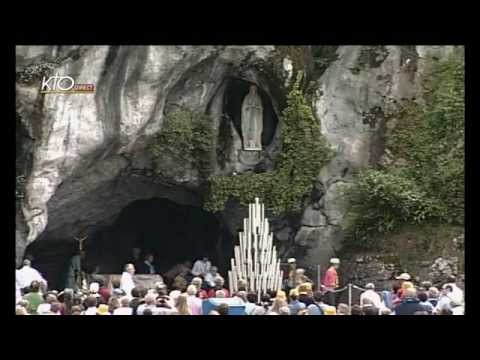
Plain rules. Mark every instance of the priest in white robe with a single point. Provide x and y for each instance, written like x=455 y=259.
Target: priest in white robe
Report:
x=126 y=281
x=27 y=274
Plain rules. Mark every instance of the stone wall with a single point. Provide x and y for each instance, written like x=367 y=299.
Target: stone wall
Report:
x=381 y=268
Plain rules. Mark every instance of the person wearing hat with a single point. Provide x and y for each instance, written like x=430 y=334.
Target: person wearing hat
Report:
x=373 y=297
x=300 y=277
x=305 y=294
x=292 y=267
x=331 y=282
x=404 y=277
x=295 y=305
x=401 y=279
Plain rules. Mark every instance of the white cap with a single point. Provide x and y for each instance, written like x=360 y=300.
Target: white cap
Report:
x=404 y=276
x=370 y=286
x=334 y=261
x=291 y=260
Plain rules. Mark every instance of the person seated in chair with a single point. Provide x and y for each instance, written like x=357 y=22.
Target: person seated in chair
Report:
x=146 y=267
x=211 y=276
x=201 y=267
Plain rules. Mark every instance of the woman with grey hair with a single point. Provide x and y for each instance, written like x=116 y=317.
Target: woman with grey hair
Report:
x=220 y=294
x=218 y=286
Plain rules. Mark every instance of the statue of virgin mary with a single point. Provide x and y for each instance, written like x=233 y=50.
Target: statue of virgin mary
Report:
x=252 y=120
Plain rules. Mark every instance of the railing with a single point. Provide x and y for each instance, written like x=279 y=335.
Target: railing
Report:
x=349 y=287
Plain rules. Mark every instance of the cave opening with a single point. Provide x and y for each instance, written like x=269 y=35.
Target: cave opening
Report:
x=235 y=92
x=172 y=232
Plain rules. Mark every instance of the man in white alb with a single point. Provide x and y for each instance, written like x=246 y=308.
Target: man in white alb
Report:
x=126 y=281
x=27 y=274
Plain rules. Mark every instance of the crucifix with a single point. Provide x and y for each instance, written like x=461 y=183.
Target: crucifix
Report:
x=76 y=276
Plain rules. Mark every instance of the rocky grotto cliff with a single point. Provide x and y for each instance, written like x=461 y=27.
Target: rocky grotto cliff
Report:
x=82 y=158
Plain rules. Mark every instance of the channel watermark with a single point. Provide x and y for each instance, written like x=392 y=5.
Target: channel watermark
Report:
x=64 y=85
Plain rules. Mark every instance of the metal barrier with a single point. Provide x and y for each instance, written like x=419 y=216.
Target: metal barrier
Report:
x=349 y=287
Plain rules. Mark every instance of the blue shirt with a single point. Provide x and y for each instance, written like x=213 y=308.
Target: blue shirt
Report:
x=314 y=309
x=295 y=306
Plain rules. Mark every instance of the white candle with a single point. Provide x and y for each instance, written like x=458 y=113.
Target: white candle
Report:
x=262 y=214
x=235 y=280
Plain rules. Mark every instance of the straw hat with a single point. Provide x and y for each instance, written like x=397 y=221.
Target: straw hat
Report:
x=404 y=276
x=304 y=289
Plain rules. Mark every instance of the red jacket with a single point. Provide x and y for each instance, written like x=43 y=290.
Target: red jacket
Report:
x=330 y=281
x=202 y=294
x=105 y=293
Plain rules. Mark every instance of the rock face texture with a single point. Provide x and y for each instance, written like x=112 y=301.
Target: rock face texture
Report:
x=357 y=97
x=88 y=154
x=82 y=157
x=382 y=268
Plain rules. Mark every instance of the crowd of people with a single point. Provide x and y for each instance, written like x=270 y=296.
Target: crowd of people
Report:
x=183 y=291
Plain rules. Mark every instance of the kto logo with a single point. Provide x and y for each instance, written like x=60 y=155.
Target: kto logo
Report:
x=64 y=84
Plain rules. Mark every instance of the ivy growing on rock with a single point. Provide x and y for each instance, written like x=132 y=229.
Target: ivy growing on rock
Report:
x=186 y=136
x=303 y=153
x=426 y=183
x=380 y=202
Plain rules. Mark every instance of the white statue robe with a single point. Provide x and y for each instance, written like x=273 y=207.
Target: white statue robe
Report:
x=252 y=121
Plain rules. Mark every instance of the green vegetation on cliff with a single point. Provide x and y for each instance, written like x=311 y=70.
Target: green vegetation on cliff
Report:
x=427 y=185
x=303 y=153
x=187 y=137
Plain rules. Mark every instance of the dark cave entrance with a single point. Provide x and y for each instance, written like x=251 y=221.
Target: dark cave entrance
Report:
x=51 y=257
x=174 y=233
x=235 y=92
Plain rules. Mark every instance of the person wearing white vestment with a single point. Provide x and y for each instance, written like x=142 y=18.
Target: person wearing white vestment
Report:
x=27 y=274
x=126 y=281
